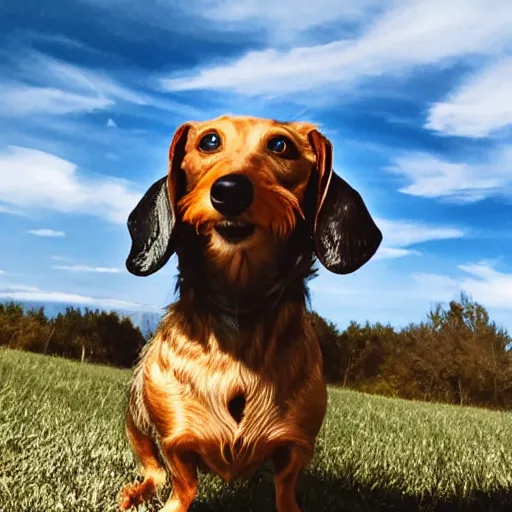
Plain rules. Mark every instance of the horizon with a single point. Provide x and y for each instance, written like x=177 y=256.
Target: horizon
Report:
x=414 y=97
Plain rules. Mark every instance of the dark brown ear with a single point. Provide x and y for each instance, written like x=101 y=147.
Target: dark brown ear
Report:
x=152 y=222
x=346 y=236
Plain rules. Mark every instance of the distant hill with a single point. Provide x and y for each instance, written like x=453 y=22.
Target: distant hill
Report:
x=146 y=321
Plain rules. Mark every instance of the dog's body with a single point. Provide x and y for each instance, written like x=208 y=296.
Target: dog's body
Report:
x=234 y=374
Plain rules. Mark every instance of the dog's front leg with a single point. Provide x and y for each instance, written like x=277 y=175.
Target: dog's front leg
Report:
x=183 y=469
x=288 y=463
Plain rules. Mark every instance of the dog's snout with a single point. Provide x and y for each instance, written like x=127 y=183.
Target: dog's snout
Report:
x=231 y=195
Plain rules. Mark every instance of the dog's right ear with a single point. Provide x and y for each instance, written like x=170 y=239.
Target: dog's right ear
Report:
x=152 y=222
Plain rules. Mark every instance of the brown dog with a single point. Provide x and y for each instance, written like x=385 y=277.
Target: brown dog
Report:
x=234 y=373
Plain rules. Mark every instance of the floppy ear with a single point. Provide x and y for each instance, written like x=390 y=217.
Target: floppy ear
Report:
x=152 y=222
x=346 y=236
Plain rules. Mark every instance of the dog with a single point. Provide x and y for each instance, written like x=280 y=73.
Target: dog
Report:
x=233 y=377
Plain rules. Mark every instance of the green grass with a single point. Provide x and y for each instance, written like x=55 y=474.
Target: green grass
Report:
x=63 y=448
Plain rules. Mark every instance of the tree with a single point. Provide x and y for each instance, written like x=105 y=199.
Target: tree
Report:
x=94 y=336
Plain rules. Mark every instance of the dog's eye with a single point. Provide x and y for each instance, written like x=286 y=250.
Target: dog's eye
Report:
x=210 y=142
x=278 y=144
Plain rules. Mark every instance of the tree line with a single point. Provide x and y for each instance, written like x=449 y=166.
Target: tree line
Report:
x=457 y=355
x=90 y=335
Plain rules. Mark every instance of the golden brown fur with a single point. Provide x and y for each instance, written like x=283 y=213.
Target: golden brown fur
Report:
x=239 y=329
x=279 y=188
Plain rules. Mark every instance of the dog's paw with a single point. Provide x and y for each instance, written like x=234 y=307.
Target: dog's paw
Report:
x=135 y=494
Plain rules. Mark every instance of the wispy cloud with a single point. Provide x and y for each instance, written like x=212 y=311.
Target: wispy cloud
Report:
x=23 y=100
x=111 y=123
x=19 y=288
x=87 y=268
x=286 y=20
x=418 y=291
x=480 y=280
x=2 y=272
x=42 y=84
x=58 y=258
x=408 y=35
x=400 y=291
x=34 y=36
x=395 y=252
x=487 y=285
x=32 y=179
x=9 y=210
x=430 y=176
x=400 y=235
x=47 y=232
x=32 y=293
x=480 y=106
x=276 y=22
x=403 y=233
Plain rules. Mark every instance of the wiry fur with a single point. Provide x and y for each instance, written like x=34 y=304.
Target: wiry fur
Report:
x=240 y=328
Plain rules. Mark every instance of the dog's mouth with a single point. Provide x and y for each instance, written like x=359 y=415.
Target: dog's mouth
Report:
x=234 y=231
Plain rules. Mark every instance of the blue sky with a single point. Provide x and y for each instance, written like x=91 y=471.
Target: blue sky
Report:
x=414 y=95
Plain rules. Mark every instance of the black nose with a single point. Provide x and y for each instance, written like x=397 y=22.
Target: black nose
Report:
x=231 y=195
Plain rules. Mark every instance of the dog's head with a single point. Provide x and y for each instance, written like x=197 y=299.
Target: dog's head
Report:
x=243 y=184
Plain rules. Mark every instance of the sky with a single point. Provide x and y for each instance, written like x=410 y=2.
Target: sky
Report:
x=414 y=95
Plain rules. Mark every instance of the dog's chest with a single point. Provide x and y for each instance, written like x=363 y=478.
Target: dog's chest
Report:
x=240 y=402
x=243 y=425
x=232 y=412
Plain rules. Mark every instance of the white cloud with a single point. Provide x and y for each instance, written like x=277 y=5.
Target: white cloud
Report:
x=399 y=235
x=371 y=294
x=487 y=285
x=36 y=36
x=20 y=288
x=403 y=233
x=32 y=179
x=24 y=100
x=2 y=272
x=479 y=107
x=283 y=20
x=11 y=211
x=32 y=293
x=111 y=123
x=433 y=177
x=394 y=252
x=433 y=287
x=279 y=21
x=45 y=85
x=480 y=280
x=47 y=232
x=410 y=34
x=87 y=268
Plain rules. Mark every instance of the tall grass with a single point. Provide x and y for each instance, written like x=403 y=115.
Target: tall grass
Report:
x=63 y=448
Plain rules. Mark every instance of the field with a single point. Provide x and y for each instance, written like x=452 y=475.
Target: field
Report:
x=63 y=448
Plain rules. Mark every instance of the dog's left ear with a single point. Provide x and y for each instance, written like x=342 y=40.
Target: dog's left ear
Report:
x=346 y=237
x=152 y=222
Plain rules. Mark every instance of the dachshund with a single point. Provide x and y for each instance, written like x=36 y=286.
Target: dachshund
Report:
x=233 y=376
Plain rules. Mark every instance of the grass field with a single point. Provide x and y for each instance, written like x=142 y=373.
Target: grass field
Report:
x=62 y=448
